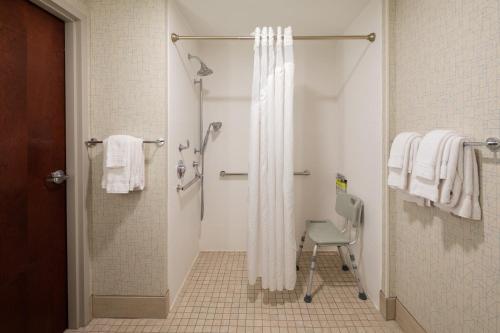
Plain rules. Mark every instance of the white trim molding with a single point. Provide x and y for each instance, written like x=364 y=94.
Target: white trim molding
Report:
x=76 y=20
x=385 y=149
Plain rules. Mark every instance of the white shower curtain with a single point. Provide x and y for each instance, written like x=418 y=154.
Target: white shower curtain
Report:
x=271 y=247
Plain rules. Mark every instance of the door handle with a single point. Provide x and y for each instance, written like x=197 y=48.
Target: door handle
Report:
x=57 y=177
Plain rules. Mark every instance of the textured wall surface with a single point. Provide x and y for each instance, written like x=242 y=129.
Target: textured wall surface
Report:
x=128 y=96
x=445 y=73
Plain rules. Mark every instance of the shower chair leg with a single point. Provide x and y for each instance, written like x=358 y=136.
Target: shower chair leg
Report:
x=308 y=297
x=361 y=292
x=344 y=265
x=301 y=246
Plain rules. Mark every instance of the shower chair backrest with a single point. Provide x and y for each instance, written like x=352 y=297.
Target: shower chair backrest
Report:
x=351 y=209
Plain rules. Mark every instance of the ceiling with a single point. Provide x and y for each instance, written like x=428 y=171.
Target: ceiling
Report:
x=240 y=17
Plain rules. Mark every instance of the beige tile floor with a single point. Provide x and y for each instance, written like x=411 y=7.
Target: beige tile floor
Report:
x=217 y=298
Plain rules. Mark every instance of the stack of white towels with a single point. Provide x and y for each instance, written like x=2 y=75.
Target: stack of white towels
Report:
x=436 y=169
x=123 y=164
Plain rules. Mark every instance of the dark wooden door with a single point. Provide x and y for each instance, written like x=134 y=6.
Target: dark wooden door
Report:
x=33 y=286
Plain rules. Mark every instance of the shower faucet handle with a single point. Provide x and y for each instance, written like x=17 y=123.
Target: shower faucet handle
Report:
x=182 y=147
x=197 y=151
x=181 y=169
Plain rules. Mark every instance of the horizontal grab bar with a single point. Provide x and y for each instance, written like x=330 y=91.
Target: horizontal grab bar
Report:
x=223 y=173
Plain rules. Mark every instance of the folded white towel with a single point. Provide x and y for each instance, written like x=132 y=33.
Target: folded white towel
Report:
x=398 y=172
x=476 y=206
x=424 y=182
x=446 y=157
x=413 y=152
x=117 y=151
x=412 y=198
x=136 y=165
x=438 y=170
x=468 y=204
x=126 y=150
x=405 y=194
x=451 y=186
x=399 y=149
x=429 y=154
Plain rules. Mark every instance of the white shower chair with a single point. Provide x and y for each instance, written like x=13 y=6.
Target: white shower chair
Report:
x=326 y=233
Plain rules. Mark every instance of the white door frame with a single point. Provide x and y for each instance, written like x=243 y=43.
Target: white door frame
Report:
x=76 y=19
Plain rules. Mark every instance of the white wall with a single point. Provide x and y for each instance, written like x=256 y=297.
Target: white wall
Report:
x=338 y=118
x=338 y=128
x=361 y=103
x=317 y=136
x=183 y=208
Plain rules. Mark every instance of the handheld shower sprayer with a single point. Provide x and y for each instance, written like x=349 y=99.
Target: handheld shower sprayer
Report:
x=216 y=126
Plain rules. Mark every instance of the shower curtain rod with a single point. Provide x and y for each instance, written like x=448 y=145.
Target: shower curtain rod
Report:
x=370 y=37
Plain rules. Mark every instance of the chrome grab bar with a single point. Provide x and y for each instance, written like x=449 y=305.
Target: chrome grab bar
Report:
x=224 y=173
x=188 y=185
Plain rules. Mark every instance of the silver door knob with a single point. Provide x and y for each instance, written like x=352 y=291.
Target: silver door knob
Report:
x=57 y=177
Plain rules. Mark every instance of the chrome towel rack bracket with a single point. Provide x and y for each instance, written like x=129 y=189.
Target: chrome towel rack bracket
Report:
x=493 y=144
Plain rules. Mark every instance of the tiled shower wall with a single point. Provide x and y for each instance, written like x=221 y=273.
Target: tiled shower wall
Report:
x=445 y=73
x=128 y=96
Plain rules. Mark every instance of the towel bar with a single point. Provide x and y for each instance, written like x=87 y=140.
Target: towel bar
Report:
x=93 y=141
x=493 y=144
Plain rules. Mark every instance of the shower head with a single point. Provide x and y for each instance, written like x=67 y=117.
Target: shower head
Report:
x=204 y=70
x=216 y=125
